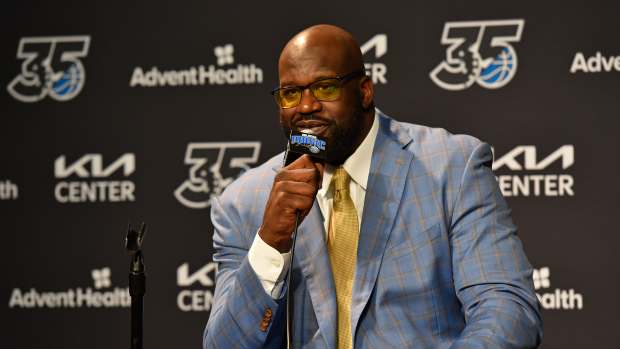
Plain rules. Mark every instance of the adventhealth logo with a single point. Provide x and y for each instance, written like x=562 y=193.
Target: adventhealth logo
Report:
x=8 y=190
x=597 y=63
x=101 y=296
x=102 y=277
x=557 y=299
x=224 y=54
x=541 y=278
x=220 y=74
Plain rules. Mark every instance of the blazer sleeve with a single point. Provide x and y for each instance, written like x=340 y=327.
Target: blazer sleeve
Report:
x=240 y=304
x=492 y=276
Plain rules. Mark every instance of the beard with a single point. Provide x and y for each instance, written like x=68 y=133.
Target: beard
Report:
x=342 y=136
x=343 y=140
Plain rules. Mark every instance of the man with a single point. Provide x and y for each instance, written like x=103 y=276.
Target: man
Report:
x=409 y=243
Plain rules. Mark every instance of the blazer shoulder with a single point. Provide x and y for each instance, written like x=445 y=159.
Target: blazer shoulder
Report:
x=439 y=141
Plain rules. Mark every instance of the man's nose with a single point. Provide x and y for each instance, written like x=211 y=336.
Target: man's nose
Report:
x=309 y=104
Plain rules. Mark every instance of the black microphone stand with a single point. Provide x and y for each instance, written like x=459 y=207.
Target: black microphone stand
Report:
x=137 y=282
x=289 y=300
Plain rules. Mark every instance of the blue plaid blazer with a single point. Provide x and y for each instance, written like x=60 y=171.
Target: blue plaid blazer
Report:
x=439 y=263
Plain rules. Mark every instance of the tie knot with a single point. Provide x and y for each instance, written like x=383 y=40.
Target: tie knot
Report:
x=341 y=179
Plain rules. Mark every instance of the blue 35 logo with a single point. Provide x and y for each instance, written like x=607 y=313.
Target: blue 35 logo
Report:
x=213 y=167
x=479 y=52
x=51 y=67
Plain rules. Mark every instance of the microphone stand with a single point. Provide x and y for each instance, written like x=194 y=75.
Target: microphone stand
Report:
x=289 y=300
x=137 y=282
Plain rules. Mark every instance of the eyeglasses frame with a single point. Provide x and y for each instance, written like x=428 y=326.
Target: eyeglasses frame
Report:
x=341 y=79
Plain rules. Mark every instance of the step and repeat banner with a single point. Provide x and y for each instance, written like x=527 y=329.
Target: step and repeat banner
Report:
x=118 y=113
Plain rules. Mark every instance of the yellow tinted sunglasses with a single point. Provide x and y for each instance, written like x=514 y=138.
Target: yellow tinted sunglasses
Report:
x=325 y=89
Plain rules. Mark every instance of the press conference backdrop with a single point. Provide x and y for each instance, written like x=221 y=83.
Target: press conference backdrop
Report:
x=143 y=111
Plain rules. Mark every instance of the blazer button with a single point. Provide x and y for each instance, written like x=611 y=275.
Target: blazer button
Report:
x=264 y=324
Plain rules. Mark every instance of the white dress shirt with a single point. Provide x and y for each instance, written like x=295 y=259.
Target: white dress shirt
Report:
x=268 y=263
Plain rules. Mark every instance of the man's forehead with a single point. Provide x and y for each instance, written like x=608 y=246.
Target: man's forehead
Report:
x=311 y=64
x=306 y=76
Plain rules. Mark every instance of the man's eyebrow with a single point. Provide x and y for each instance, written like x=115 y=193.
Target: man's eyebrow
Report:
x=320 y=77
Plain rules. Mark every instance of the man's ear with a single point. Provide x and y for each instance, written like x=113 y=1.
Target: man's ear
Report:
x=367 y=92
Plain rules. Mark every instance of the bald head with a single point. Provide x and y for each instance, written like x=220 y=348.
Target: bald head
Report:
x=321 y=47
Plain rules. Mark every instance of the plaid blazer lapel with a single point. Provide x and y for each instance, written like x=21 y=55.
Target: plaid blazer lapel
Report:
x=311 y=254
x=388 y=173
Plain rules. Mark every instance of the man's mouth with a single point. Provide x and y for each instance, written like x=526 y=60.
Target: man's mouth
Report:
x=314 y=127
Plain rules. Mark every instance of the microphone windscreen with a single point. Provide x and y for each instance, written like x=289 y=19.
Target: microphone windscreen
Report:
x=304 y=142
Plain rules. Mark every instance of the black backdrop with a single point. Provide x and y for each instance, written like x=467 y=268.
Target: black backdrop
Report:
x=88 y=146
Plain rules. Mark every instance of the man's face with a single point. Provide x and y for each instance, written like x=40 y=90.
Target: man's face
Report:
x=339 y=121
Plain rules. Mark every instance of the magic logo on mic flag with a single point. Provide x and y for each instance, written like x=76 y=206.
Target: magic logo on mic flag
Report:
x=305 y=143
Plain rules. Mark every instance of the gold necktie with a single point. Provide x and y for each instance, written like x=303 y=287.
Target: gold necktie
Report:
x=342 y=248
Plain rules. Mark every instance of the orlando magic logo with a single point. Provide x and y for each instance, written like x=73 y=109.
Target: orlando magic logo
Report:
x=214 y=167
x=51 y=66
x=479 y=52
x=312 y=142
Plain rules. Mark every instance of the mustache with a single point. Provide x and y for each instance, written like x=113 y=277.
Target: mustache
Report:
x=306 y=118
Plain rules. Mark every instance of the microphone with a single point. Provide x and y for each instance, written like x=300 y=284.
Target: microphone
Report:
x=305 y=142
x=299 y=143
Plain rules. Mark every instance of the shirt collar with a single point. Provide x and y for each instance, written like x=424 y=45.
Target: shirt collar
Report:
x=358 y=164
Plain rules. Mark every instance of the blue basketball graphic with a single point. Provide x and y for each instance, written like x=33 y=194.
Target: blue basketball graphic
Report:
x=500 y=70
x=69 y=83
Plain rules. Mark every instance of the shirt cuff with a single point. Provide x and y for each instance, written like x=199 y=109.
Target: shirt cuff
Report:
x=269 y=265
